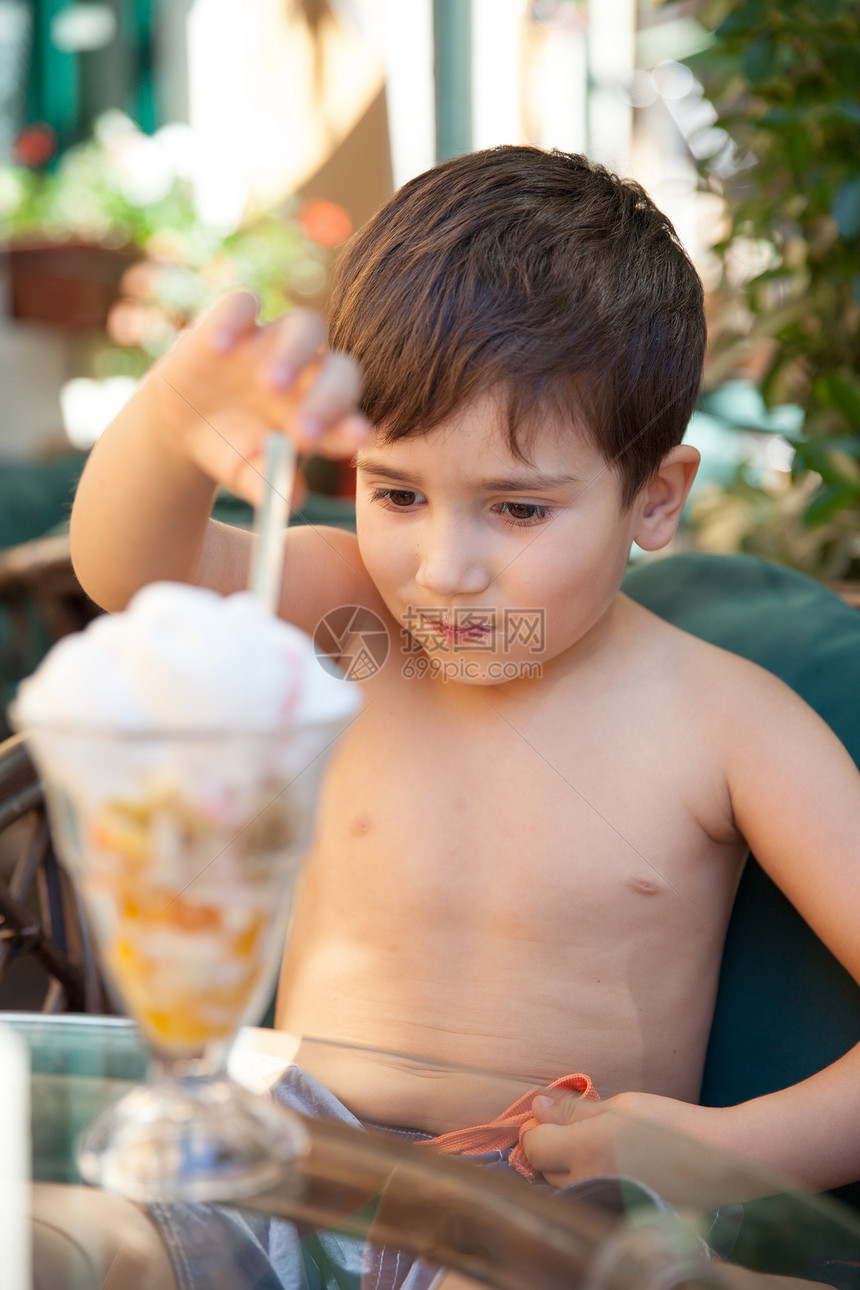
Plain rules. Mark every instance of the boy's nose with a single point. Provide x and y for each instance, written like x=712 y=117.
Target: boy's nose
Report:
x=451 y=564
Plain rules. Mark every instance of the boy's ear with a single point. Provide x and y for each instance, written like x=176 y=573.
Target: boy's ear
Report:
x=662 y=499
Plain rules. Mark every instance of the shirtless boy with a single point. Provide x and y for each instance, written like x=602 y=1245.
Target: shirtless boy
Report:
x=531 y=874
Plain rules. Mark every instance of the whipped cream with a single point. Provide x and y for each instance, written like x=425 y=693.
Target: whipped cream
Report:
x=184 y=658
x=185 y=692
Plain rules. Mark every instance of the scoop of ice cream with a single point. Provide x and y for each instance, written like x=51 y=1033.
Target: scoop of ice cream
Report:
x=184 y=658
x=185 y=692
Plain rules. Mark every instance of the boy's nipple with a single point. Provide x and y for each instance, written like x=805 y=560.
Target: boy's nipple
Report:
x=644 y=886
x=359 y=825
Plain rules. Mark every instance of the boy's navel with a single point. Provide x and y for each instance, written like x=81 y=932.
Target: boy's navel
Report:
x=645 y=886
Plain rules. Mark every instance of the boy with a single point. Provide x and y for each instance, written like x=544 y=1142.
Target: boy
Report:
x=530 y=839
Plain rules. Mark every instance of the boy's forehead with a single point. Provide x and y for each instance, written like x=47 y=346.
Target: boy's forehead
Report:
x=477 y=438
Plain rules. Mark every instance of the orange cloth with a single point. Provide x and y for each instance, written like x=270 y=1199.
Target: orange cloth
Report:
x=508 y=1128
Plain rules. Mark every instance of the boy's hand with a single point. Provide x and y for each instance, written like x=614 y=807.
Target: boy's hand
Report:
x=228 y=381
x=643 y=1136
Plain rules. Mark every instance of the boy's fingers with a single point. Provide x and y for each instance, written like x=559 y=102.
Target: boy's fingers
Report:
x=345 y=438
x=229 y=318
x=562 y=1151
x=231 y=447
x=332 y=397
x=561 y=1108
x=293 y=342
x=546 y=1148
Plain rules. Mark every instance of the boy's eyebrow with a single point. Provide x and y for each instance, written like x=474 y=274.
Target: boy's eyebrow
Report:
x=507 y=484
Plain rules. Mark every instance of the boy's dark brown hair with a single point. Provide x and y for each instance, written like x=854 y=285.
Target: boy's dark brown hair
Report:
x=537 y=273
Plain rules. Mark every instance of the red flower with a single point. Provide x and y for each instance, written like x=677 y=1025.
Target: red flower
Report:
x=35 y=145
x=325 y=223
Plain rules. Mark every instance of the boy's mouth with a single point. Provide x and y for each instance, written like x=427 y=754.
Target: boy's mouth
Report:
x=459 y=633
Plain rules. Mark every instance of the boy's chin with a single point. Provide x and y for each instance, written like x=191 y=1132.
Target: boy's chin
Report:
x=481 y=670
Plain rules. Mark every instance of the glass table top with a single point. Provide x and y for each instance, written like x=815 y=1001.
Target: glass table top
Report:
x=491 y=1227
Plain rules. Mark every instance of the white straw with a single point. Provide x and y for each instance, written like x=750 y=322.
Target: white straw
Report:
x=271 y=519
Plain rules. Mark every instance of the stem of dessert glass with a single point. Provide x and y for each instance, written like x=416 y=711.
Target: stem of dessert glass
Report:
x=210 y=1062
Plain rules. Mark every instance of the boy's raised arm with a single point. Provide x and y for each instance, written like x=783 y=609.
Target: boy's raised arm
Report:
x=198 y=420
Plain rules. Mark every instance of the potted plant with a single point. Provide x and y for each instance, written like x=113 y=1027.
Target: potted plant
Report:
x=111 y=238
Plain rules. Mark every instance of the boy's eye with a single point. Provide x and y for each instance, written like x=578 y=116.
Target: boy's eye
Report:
x=522 y=514
x=395 y=498
x=515 y=514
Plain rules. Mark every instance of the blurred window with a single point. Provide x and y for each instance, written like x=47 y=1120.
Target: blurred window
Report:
x=80 y=59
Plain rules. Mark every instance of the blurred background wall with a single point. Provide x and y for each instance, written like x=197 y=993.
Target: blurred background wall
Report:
x=274 y=105
x=156 y=152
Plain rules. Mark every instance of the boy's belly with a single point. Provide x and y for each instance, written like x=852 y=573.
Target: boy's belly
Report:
x=443 y=1025
x=436 y=1093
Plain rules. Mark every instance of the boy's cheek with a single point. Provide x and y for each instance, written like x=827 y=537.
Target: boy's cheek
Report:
x=383 y=563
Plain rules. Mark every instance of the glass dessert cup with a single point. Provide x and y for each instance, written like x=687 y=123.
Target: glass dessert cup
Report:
x=186 y=848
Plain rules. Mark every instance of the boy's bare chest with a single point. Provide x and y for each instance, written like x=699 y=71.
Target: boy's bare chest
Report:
x=529 y=812
x=515 y=889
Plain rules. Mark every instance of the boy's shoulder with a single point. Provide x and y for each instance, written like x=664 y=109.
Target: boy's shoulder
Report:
x=325 y=574
x=323 y=571
x=762 y=735
x=709 y=674
x=739 y=723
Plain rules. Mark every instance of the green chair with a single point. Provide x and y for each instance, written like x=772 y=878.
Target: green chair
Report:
x=785 y=1007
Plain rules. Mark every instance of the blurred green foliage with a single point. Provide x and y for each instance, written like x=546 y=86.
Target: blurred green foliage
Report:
x=785 y=82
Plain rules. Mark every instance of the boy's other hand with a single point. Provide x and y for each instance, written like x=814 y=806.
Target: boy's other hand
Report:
x=567 y=1146
x=660 y=1141
x=229 y=380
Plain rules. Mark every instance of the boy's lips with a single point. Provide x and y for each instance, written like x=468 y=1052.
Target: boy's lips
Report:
x=463 y=631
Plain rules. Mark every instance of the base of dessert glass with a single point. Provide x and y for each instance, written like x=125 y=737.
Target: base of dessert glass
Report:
x=198 y=1139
